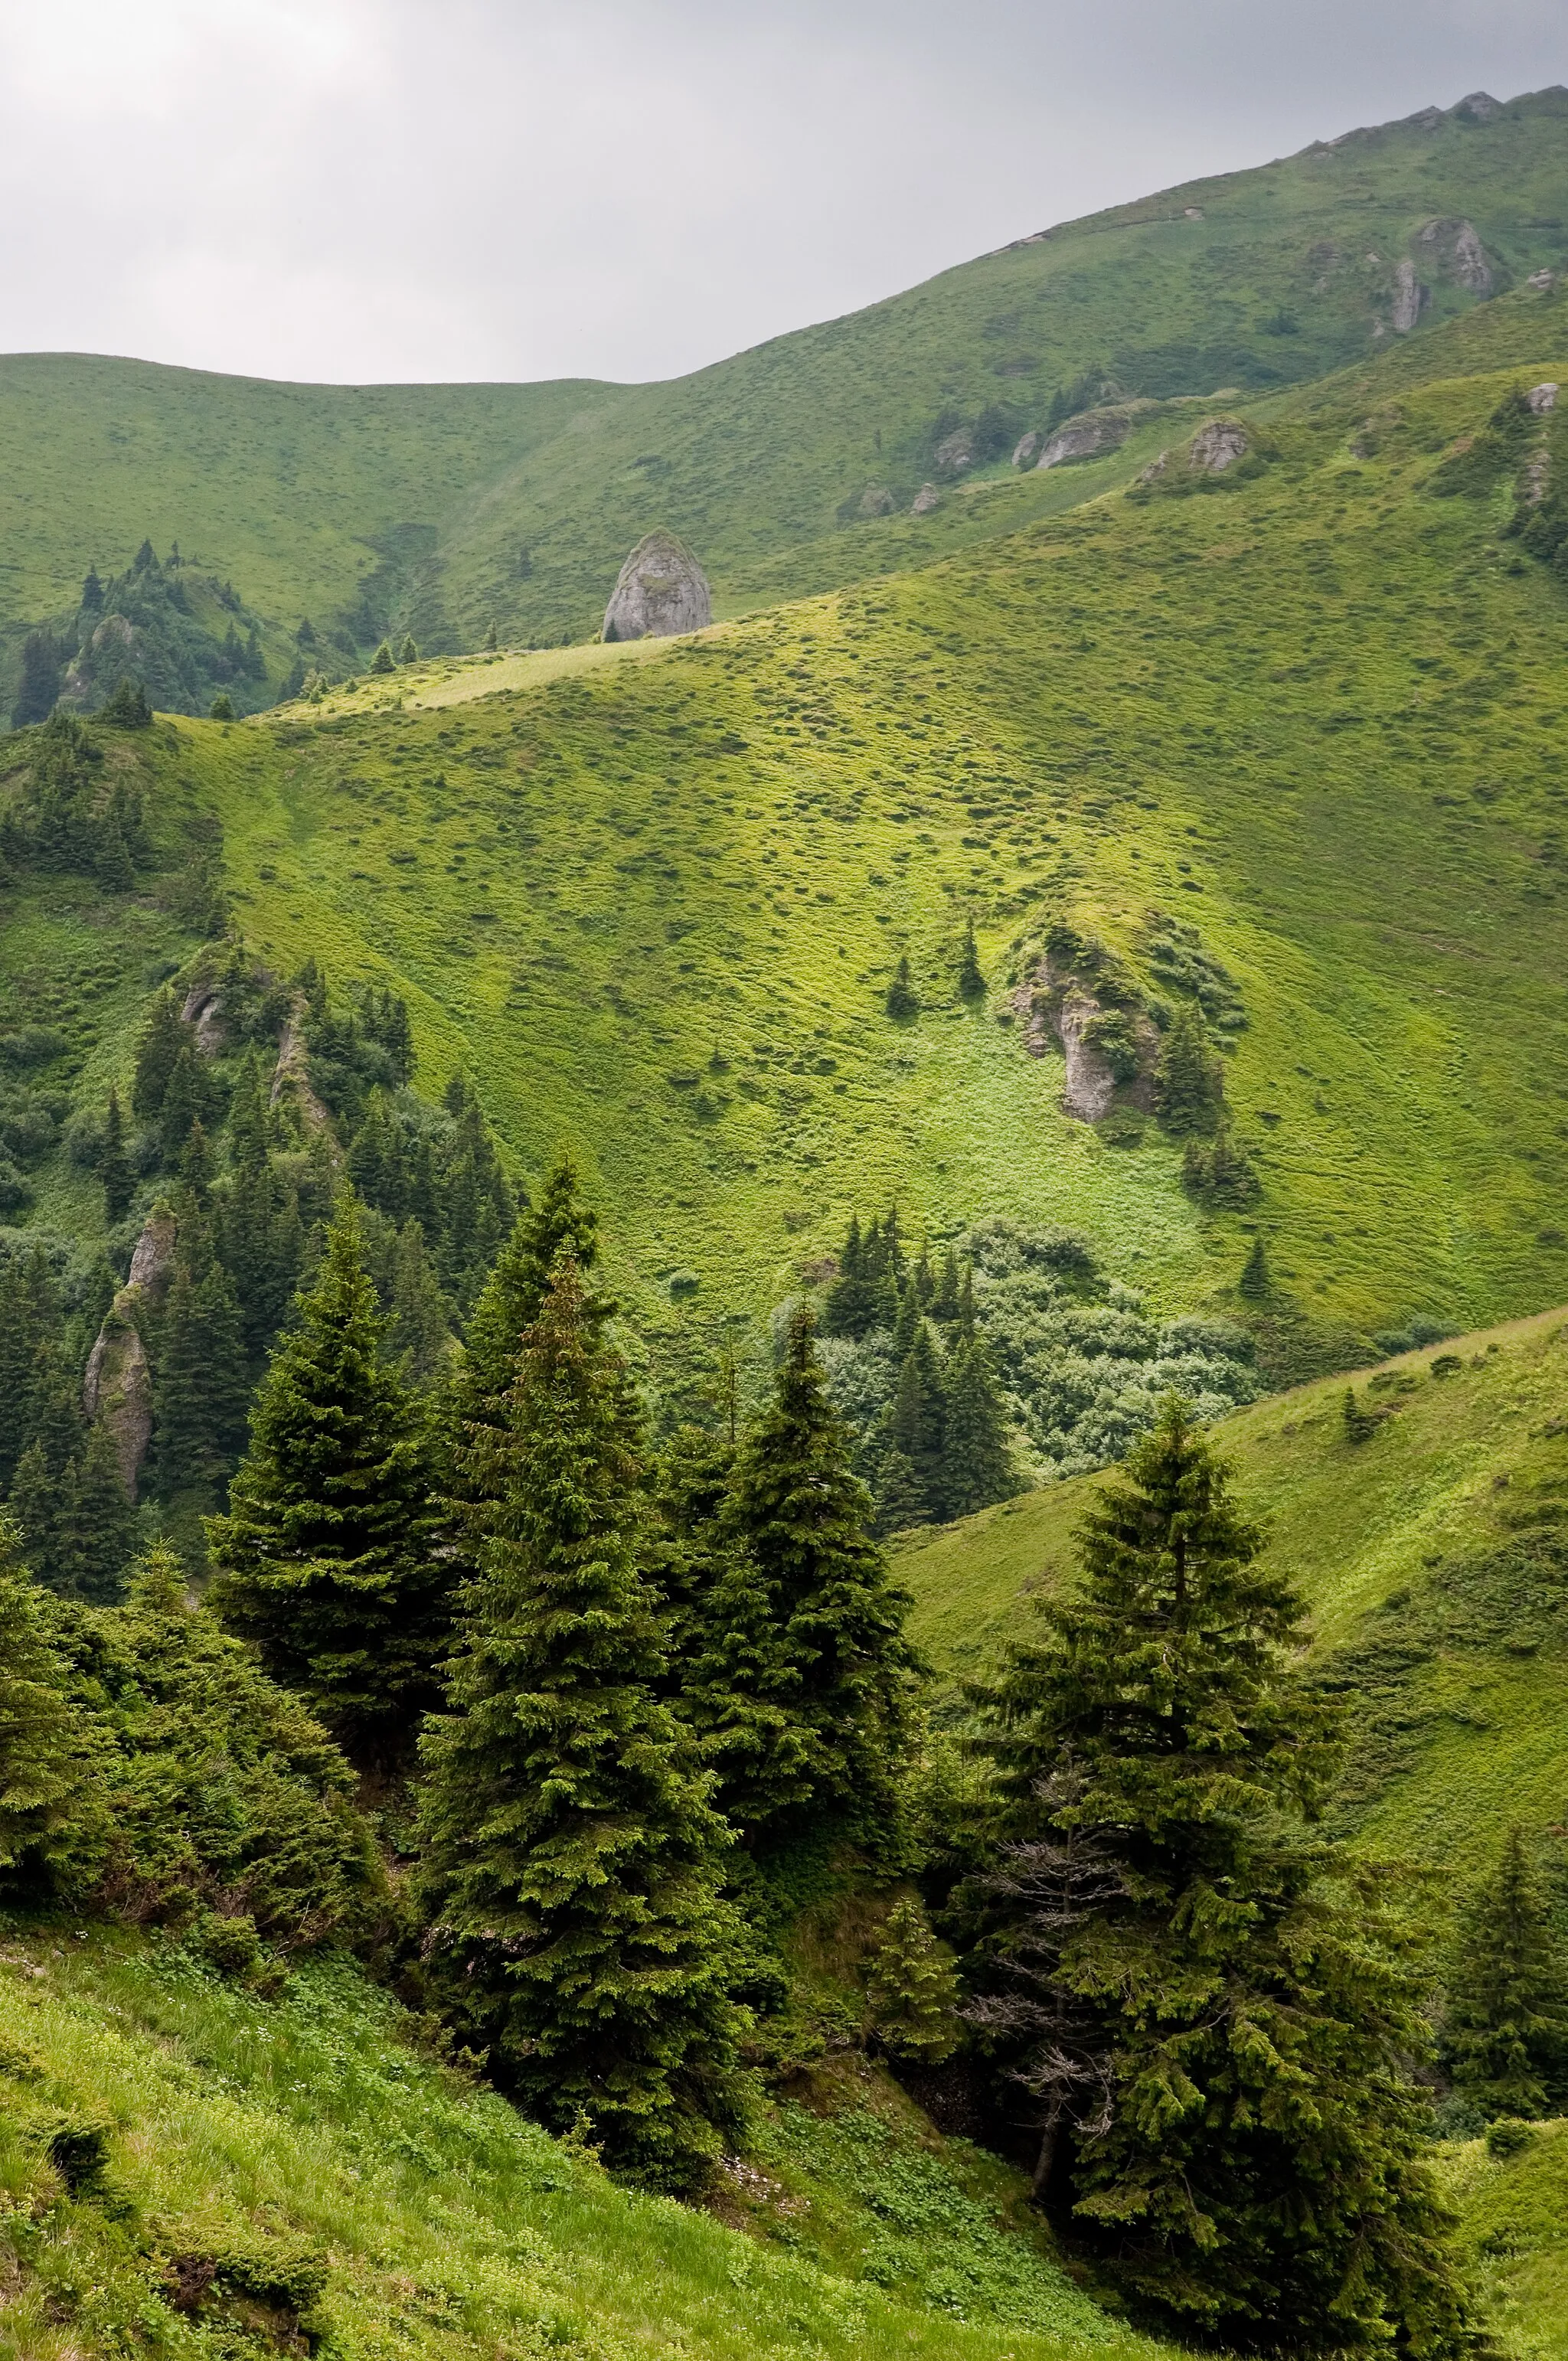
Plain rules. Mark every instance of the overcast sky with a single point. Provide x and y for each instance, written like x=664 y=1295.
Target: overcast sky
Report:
x=418 y=189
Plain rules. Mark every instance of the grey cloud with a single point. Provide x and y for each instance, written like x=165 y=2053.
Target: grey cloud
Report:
x=361 y=189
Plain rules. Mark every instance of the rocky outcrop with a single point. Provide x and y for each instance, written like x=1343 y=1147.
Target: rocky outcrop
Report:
x=1084 y=438
x=203 y=1009
x=926 y=499
x=1218 y=446
x=877 y=500
x=1024 y=448
x=955 y=452
x=1411 y=298
x=1542 y=280
x=292 y=1075
x=117 y=1388
x=1479 y=107
x=660 y=591
x=1091 y=1085
x=1057 y=1010
x=1456 y=244
x=1542 y=398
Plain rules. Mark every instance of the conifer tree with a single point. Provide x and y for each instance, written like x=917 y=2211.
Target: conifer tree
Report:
x=104 y=1520
x=803 y=1690
x=419 y=1332
x=1227 y=2024
x=945 y=1302
x=1188 y=1087
x=913 y=1988
x=325 y=1556
x=845 y=1309
x=1506 y=2024
x=902 y=1001
x=21 y=1335
x=162 y=1038
x=977 y=1460
x=40 y=1780
x=572 y=1859
x=382 y=661
x=408 y=653
x=513 y=1295
x=113 y=1165
x=971 y=977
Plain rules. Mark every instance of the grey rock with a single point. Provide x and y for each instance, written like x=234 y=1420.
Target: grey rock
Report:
x=1479 y=107
x=926 y=499
x=1218 y=446
x=1024 y=448
x=291 y=1076
x=1541 y=279
x=1461 y=255
x=117 y=1386
x=661 y=590
x=1410 y=297
x=1542 y=398
x=955 y=452
x=203 y=1009
x=1081 y=438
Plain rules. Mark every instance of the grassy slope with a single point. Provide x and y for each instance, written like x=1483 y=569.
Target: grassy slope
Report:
x=452 y=2229
x=283 y=486
x=650 y=897
x=1459 y=1469
x=1515 y=2215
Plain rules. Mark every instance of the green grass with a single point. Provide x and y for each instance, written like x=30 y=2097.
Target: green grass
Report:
x=1515 y=2218
x=443 y=2225
x=300 y=491
x=651 y=899
x=1383 y=1539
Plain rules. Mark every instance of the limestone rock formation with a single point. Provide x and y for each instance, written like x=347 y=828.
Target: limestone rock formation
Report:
x=292 y=1075
x=924 y=500
x=1542 y=398
x=955 y=452
x=203 y=1009
x=1084 y=438
x=1456 y=245
x=1542 y=280
x=1410 y=298
x=1218 y=446
x=1024 y=448
x=117 y=1386
x=660 y=590
x=1479 y=107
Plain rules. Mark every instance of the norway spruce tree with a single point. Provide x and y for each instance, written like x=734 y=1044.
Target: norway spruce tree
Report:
x=326 y=1558
x=573 y=1860
x=41 y=1778
x=114 y=1164
x=561 y=1222
x=1213 y=2010
x=803 y=1685
x=976 y=1458
x=1506 y=2024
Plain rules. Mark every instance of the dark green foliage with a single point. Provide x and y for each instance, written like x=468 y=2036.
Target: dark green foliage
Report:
x=215 y=1788
x=222 y=707
x=1219 y=2007
x=113 y=1165
x=68 y=818
x=902 y=1001
x=971 y=976
x=199 y=1379
x=1360 y=1422
x=325 y=1556
x=164 y=1037
x=382 y=661
x=976 y=1458
x=28 y=1317
x=803 y=1689
x=104 y=1521
x=1219 y=1172
x=572 y=1859
x=92 y=601
x=1504 y=2028
x=1255 y=1282
x=40 y=1775
x=408 y=653
x=865 y=1295
x=128 y=708
x=913 y=1987
x=916 y=1416
x=945 y=1302
x=44 y=658
x=1189 y=1088
x=1500 y=446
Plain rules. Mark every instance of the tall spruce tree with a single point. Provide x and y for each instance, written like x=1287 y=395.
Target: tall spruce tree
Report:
x=1506 y=2024
x=572 y=1859
x=1189 y=1089
x=1222 y=2021
x=326 y=1557
x=163 y=1036
x=41 y=1777
x=114 y=1165
x=804 y=1688
x=977 y=1459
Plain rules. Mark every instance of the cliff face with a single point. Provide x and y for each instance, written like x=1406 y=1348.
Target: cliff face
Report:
x=117 y=1386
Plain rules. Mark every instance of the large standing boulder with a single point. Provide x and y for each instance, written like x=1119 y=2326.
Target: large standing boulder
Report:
x=661 y=590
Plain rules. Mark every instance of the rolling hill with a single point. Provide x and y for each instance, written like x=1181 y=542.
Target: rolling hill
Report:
x=444 y=508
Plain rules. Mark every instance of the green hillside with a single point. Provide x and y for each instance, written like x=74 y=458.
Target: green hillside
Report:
x=650 y=901
x=188 y=2170
x=449 y=507
x=1430 y=1555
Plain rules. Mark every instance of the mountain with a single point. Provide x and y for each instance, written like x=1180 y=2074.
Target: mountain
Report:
x=442 y=509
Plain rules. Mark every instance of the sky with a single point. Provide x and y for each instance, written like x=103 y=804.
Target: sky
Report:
x=369 y=190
